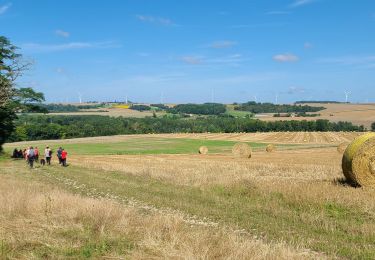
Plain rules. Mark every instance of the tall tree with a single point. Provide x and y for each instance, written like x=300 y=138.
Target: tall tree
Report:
x=13 y=99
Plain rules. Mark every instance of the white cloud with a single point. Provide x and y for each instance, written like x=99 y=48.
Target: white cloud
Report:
x=295 y=90
x=155 y=20
x=256 y=25
x=308 y=45
x=223 y=44
x=298 y=3
x=4 y=8
x=194 y=60
x=277 y=13
x=60 y=70
x=36 y=47
x=62 y=33
x=231 y=60
x=287 y=57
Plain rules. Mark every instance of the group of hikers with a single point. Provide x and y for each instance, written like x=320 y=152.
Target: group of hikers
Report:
x=32 y=154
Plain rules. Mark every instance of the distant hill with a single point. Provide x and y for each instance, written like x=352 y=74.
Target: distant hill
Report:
x=319 y=102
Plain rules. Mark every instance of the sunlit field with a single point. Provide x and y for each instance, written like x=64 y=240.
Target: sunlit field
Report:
x=155 y=196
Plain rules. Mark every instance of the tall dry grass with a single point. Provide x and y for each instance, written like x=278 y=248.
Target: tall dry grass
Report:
x=303 y=176
x=38 y=221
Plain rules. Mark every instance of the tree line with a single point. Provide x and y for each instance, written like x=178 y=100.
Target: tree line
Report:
x=38 y=127
x=256 y=108
x=198 y=109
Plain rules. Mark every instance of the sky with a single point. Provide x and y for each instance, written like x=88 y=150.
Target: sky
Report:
x=197 y=51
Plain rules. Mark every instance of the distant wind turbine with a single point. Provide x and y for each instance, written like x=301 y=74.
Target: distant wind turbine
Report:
x=80 y=97
x=347 y=93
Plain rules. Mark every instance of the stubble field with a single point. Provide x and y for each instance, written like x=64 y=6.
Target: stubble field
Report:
x=163 y=200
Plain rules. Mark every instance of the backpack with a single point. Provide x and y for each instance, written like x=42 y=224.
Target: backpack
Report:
x=31 y=153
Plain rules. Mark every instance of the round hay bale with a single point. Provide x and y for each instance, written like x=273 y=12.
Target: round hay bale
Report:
x=203 y=150
x=342 y=147
x=242 y=150
x=270 y=148
x=358 y=161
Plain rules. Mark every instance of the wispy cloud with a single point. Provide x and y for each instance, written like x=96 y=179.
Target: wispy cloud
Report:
x=231 y=60
x=278 y=13
x=223 y=44
x=295 y=90
x=256 y=25
x=349 y=60
x=193 y=60
x=287 y=57
x=37 y=47
x=62 y=33
x=299 y=3
x=4 y=8
x=308 y=45
x=155 y=20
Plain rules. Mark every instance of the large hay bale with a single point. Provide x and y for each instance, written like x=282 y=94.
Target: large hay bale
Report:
x=342 y=147
x=358 y=161
x=270 y=148
x=242 y=150
x=203 y=150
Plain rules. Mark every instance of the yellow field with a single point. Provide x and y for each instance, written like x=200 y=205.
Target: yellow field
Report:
x=358 y=114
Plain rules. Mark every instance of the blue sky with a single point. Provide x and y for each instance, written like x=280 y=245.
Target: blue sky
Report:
x=195 y=51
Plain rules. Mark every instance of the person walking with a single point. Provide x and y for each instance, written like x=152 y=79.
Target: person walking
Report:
x=64 y=154
x=26 y=154
x=48 y=155
x=31 y=157
x=59 y=151
x=36 y=154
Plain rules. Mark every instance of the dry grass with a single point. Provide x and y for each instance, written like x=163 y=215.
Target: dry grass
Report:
x=309 y=138
x=37 y=221
x=305 y=175
x=301 y=165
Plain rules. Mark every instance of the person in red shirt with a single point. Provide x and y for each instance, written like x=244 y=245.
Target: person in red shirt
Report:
x=36 y=152
x=64 y=154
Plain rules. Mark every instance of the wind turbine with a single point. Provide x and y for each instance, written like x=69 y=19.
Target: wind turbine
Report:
x=347 y=93
x=277 y=98
x=212 y=95
x=80 y=97
x=255 y=99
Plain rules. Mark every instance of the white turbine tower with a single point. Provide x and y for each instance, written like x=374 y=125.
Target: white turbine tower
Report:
x=255 y=99
x=80 y=97
x=347 y=93
x=277 y=98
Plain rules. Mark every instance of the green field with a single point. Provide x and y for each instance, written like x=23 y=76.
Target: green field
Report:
x=147 y=145
x=237 y=113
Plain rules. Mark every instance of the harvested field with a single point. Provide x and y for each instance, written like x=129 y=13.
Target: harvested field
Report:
x=293 y=202
x=358 y=114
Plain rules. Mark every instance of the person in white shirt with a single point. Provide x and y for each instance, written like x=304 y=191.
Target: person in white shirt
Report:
x=47 y=155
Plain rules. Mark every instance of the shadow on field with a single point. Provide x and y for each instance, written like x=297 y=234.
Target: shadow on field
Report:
x=344 y=182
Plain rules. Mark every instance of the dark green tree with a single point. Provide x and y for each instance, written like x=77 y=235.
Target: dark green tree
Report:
x=373 y=126
x=13 y=99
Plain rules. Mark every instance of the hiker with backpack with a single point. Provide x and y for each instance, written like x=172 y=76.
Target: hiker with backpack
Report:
x=31 y=157
x=36 y=154
x=64 y=154
x=59 y=151
x=48 y=155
